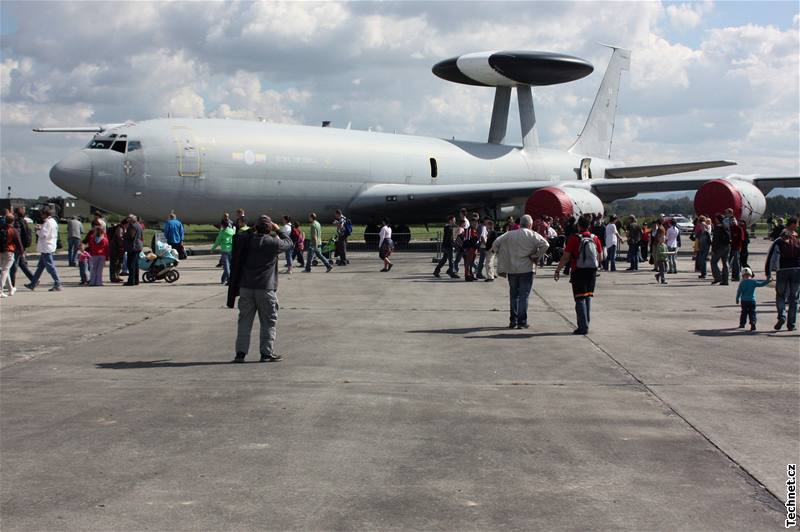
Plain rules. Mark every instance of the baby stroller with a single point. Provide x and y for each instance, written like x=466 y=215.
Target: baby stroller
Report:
x=555 y=251
x=163 y=264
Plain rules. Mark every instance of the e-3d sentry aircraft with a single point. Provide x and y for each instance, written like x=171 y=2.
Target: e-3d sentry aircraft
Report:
x=202 y=167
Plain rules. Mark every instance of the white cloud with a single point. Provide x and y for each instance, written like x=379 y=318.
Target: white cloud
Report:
x=293 y=20
x=687 y=16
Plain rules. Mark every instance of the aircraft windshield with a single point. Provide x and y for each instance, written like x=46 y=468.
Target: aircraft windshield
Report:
x=99 y=144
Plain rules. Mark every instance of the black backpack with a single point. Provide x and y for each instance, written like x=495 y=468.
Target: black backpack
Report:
x=3 y=238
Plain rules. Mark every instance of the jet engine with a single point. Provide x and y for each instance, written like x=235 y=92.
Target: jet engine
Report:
x=747 y=201
x=562 y=202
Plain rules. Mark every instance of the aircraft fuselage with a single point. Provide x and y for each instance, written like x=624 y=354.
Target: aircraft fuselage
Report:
x=201 y=168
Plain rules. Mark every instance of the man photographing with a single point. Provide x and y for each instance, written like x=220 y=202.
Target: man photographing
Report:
x=254 y=279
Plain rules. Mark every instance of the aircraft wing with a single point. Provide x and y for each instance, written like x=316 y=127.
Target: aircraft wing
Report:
x=662 y=169
x=77 y=129
x=391 y=199
x=611 y=189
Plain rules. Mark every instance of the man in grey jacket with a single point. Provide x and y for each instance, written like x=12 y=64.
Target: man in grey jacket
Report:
x=518 y=252
x=254 y=279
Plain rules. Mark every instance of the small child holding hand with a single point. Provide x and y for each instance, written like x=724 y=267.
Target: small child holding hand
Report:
x=746 y=293
x=83 y=263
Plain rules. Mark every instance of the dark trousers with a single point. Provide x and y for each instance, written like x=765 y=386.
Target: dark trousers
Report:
x=469 y=263
x=133 y=267
x=611 y=259
x=341 y=249
x=447 y=256
x=661 y=268
x=21 y=263
x=114 y=264
x=748 y=311
x=178 y=246
x=717 y=255
x=633 y=255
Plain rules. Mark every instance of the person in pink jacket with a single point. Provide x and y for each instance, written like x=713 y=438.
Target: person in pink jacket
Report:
x=97 y=244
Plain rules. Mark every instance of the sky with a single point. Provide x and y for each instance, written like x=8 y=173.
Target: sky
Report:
x=708 y=80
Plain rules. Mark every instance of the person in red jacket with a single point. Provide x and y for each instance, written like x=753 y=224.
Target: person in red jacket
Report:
x=97 y=243
x=738 y=235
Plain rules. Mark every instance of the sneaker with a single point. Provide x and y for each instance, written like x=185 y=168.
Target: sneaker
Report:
x=3 y=295
x=239 y=359
x=512 y=325
x=724 y=283
x=790 y=327
x=715 y=281
x=30 y=286
x=12 y=291
x=270 y=358
x=523 y=326
x=470 y=279
x=329 y=268
x=778 y=325
x=455 y=276
x=436 y=273
x=55 y=289
x=390 y=267
x=480 y=276
x=488 y=280
x=580 y=331
x=741 y=325
x=752 y=326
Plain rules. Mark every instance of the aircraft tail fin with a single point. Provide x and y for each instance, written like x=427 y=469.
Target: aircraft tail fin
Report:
x=595 y=139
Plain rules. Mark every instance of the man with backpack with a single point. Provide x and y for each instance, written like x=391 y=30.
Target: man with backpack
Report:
x=584 y=251
x=344 y=228
x=720 y=250
x=20 y=260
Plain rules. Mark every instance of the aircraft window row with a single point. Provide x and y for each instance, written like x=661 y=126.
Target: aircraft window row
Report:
x=134 y=145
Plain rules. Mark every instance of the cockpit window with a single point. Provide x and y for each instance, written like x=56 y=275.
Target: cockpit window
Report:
x=99 y=144
x=119 y=146
x=134 y=145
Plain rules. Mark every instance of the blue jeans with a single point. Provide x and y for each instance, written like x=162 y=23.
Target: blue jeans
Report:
x=672 y=260
x=481 y=261
x=46 y=262
x=288 y=254
x=519 y=289
x=21 y=264
x=735 y=265
x=312 y=252
x=225 y=259
x=787 y=291
x=83 y=267
x=633 y=255
x=702 y=261
x=611 y=259
x=72 y=249
x=583 y=310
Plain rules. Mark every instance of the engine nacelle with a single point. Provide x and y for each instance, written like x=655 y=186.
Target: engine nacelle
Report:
x=562 y=202
x=747 y=201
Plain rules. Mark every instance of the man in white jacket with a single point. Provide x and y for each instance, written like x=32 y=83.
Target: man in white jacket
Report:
x=518 y=252
x=46 y=246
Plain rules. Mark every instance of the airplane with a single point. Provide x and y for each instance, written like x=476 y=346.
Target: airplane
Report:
x=199 y=168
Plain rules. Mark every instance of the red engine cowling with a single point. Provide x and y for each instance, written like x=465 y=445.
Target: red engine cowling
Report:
x=562 y=202
x=748 y=203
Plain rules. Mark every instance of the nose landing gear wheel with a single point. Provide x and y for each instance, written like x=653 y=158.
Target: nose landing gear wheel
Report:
x=148 y=277
x=172 y=276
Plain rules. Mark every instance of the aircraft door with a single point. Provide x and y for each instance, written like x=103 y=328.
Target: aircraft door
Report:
x=188 y=157
x=133 y=168
x=586 y=171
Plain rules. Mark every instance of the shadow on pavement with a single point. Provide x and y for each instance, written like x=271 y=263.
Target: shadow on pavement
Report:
x=521 y=335
x=465 y=330
x=140 y=364
x=734 y=331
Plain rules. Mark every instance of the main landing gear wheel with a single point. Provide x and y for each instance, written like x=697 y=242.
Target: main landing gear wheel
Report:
x=172 y=276
x=148 y=277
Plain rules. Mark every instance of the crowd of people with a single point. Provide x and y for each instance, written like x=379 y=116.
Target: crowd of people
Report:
x=580 y=247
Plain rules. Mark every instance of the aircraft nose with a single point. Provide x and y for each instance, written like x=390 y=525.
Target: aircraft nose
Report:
x=73 y=173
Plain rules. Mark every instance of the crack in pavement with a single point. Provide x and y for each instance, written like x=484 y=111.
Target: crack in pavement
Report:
x=774 y=503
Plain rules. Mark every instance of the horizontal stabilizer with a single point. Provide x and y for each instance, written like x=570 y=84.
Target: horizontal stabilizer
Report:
x=663 y=169
x=80 y=129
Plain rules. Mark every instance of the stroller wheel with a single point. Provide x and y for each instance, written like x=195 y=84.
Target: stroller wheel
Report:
x=172 y=276
x=148 y=277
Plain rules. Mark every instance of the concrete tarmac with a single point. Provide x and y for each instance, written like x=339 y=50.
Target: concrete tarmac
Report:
x=403 y=403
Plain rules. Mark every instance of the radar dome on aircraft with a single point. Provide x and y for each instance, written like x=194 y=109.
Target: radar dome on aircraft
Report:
x=512 y=68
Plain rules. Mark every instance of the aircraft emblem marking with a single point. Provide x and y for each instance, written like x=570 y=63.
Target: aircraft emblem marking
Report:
x=128 y=167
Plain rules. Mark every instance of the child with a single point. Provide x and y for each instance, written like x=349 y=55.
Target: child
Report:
x=83 y=263
x=747 y=294
x=660 y=254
